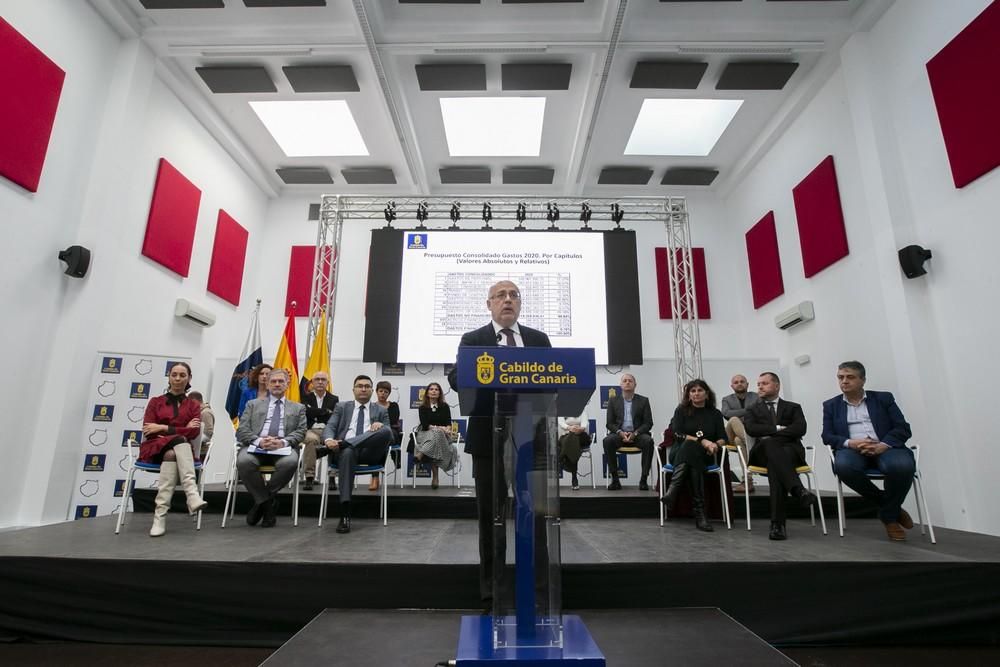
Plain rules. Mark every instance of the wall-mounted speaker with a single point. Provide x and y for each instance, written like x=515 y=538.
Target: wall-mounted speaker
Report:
x=77 y=260
x=911 y=260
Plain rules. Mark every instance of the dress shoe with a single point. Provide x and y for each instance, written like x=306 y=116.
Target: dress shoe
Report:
x=373 y=485
x=743 y=488
x=806 y=499
x=643 y=486
x=615 y=485
x=270 y=513
x=777 y=531
x=895 y=532
x=345 y=525
x=905 y=520
x=255 y=514
x=308 y=484
x=576 y=483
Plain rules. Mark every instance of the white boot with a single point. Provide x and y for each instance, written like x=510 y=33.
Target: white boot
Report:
x=166 y=484
x=185 y=469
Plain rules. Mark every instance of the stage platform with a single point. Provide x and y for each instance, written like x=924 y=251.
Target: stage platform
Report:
x=251 y=586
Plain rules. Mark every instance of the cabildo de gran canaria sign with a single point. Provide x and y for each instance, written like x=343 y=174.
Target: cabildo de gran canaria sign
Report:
x=526 y=367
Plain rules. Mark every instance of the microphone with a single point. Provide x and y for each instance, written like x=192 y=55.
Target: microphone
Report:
x=499 y=336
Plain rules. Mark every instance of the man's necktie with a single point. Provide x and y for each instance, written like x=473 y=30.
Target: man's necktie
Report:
x=275 y=420
x=773 y=411
x=508 y=335
x=359 y=426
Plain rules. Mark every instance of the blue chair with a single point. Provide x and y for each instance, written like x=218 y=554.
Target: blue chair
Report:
x=327 y=467
x=135 y=464
x=876 y=475
x=714 y=469
x=234 y=479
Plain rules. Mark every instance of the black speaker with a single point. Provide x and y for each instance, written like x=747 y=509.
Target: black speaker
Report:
x=911 y=260
x=77 y=260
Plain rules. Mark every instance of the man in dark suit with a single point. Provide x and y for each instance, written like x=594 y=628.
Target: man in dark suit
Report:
x=867 y=431
x=629 y=428
x=779 y=426
x=269 y=433
x=320 y=404
x=358 y=433
x=504 y=304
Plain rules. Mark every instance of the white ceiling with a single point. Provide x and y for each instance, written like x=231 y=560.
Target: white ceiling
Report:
x=586 y=127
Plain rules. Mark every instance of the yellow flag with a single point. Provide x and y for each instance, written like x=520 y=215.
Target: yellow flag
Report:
x=287 y=358
x=319 y=356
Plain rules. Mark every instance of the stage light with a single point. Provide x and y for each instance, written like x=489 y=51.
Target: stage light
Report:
x=616 y=216
x=390 y=214
x=456 y=215
x=585 y=214
x=421 y=215
x=487 y=214
x=521 y=215
x=553 y=215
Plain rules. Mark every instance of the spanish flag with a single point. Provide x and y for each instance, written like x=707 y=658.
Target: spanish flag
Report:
x=288 y=359
x=319 y=357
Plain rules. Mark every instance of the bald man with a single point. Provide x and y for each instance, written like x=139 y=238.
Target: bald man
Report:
x=734 y=409
x=320 y=405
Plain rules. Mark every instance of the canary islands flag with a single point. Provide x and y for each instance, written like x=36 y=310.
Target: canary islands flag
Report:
x=250 y=357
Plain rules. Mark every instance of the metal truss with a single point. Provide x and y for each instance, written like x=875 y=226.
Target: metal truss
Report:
x=526 y=211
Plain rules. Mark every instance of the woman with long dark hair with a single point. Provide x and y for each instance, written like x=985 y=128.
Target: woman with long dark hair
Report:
x=699 y=435
x=171 y=424
x=432 y=441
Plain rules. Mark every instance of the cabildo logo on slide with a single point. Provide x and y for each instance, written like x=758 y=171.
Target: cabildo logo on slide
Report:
x=416 y=241
x=521 y=372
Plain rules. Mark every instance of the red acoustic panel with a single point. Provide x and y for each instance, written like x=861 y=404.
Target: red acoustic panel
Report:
x=765 y=263
x=300 y=278
x=229 y=252
x=31 y=85
x=700 y=284
x=173 y=215
x=822 y=235
x=964 y=83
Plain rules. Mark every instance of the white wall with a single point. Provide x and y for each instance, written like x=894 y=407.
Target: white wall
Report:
x=921 y=338
x=115 y=120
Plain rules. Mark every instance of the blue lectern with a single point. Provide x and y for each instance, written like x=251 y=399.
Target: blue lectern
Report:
x=523 y=390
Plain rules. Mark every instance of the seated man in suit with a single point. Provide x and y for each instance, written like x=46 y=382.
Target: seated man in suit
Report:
x=630 y=421
x=867 y=431
x=319 y=408
x=779 y=426
x=269 y=433
x=734 y=408
x=358 y=433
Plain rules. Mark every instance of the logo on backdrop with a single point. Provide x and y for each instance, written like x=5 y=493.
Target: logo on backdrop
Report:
x=416 y=241
x=458 y=426
x=120 y=487
x=107 y=388
x=90 y=488
x=416 y=396
x=135 y=414
x=144 y=366
x=103 y=413
x=111 y=365
x=607 y=392
x=139 y=390
x=85 y=511
x=170 y=364
x=485 y=368
x=98 y=437
x=134 y=436
x=94 y=462
x=394 y=369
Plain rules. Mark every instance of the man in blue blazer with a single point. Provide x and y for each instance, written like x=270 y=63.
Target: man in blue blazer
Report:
x=867 y=431
x=358 y=433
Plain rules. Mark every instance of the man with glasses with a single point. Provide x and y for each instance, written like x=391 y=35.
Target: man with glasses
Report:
x=358 y=433
x=504 y=304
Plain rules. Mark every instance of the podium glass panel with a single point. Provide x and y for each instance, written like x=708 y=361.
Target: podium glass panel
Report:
x=527 y=598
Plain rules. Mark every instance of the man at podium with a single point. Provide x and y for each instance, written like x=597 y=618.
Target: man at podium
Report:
x=504 y=304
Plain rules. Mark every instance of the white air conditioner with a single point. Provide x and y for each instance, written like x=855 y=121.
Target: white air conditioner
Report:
x=797 y=315
x=193 y=313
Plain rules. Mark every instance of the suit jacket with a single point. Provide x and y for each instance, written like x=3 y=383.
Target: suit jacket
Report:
x=642 y=415
x=887 y=420
x=255 y=414
x=319 y=413
x=758 y=424
x=479 y=432
x=731 y=405
x=343 y=417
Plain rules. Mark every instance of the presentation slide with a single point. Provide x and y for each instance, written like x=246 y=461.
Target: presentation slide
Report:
x=446 y=277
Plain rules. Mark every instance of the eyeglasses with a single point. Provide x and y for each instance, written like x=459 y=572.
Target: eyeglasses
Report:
x=362 y=386
x=502 y=295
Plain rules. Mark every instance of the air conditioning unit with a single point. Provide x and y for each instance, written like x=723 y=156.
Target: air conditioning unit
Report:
x=193 y=313
x=797 y=315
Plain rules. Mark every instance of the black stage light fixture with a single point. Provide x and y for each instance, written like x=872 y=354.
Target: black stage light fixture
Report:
x=616 y=216
x=77 y=260
x=487 y=214
x=521 y=215
x=390 y=214
x=422 y=215
x=553 y=216
x=911 y=260
x=585 y=214
x=456 y=215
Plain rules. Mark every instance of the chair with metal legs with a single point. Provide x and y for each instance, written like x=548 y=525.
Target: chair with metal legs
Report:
x=136 y=465
x=666 y=468
x=807 y=471
x=328 y=468
x=455 y=473
x=234 y=479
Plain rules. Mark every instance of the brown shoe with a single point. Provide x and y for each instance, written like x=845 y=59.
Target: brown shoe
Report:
x=373 y=485
x=905 y=520
x=743 y=488
x=895 y=532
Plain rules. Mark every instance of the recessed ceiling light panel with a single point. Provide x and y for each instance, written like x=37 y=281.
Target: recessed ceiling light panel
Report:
x=313 y=128
x=493 y=126
x=680 y=127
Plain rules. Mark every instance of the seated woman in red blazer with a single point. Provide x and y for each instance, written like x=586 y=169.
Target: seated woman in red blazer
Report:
x=171 y=423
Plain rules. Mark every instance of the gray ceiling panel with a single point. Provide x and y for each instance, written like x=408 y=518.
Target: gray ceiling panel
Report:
x=689 y=176
x=369 y=176
x=624 y=176
x=672 y=74
x=238 y=79
x=464 y=175
x=322 y=78
x=182 y=4
x=762 y=75
x=304 y=175
x=536 y=76
x=452 y=77
x=528 y=175
x=285 y=3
